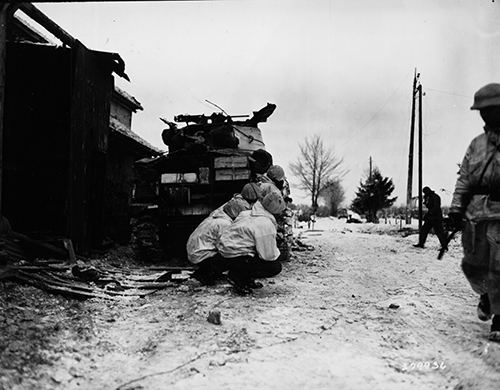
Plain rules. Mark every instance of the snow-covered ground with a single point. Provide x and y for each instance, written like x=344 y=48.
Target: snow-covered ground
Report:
x=363 y=310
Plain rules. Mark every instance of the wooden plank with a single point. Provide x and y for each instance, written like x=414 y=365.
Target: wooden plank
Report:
x=62 y=289
x=12 y=248
x=63 y=279
x=77 y=200
x=3 y=63
x=48 y=278
x=68 y=244
x=154 y=286
x=232 y=174
x=147 y=278
x=42 y=246
x=167 y=268
x=81 y=286
x=231 y=162
x=39 y=17
x=6 y=12
x=37 y=268
x=91 y=95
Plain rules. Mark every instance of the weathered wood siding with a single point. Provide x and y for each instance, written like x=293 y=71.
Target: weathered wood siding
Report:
x=90 y=106
x=36 y=137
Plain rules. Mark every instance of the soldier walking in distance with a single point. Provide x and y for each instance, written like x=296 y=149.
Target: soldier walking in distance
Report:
x=433 y=219
x=477 y=199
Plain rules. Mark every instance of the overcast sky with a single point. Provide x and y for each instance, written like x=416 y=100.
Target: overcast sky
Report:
x=341 y=69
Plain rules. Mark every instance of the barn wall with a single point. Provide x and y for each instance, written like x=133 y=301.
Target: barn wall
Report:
x=92 y=87
x=36 y=137
x=118 y=188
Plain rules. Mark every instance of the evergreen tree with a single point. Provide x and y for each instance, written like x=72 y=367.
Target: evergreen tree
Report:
x=373 y=195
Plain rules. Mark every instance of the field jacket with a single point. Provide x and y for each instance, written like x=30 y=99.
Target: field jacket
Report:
x=201 y=243
x=267 y=186
x=478 y=184
x=251 y=233
x=433 y=204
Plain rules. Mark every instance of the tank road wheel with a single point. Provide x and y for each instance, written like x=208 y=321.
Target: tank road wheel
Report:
x=145 y=239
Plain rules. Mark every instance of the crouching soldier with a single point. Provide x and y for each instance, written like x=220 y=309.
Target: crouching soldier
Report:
x=477 y=198
x=275 y=181
x=248 y=246
x=201 y=249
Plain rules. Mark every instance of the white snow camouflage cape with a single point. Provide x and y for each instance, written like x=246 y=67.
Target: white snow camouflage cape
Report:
x=480 y=207
x=252 y=233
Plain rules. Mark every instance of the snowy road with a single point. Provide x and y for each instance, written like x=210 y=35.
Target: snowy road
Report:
x=362 y=311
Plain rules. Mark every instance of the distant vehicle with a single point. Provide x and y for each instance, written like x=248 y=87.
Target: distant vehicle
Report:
x=353 y=217
x=342 y=213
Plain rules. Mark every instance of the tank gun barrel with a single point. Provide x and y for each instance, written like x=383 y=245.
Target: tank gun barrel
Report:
x=203 y=119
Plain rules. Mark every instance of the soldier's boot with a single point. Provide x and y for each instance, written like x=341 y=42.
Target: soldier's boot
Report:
x=205 y=278
x=240 y=284
x=483 y=308
x=495 y=329
x=254 y=285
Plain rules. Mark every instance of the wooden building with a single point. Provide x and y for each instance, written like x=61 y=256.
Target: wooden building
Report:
x=125 y=147
x=63 y=161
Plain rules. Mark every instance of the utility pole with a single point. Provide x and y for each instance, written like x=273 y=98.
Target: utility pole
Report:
x=370 y=168
x=410 y=153
x=3 y=63
x=420 y=155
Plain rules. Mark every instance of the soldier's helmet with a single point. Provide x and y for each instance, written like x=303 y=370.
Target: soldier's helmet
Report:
x=235 y=206
x=487 y=96
x=251 y=192
x=274 y=203
x=275 y=173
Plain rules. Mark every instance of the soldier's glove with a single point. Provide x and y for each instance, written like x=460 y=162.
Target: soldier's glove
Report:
x=456 y=220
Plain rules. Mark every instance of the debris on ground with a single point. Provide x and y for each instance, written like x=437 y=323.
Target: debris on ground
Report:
x=84 y=281
x=17 y=246
x=214 y=317
x=299 y=246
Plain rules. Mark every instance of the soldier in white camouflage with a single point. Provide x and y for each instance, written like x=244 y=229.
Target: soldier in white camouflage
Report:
x=274 y=180
x=477 y=200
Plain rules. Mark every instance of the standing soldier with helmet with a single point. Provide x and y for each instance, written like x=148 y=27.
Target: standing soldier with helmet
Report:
x=433 y=219
x=477 y=199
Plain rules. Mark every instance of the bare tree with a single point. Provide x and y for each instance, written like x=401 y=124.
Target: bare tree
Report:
x=315 y=166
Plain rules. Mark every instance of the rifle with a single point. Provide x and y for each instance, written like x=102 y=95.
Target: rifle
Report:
x=450 y=237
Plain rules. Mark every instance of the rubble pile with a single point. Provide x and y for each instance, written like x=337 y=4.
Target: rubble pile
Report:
x=84 y=281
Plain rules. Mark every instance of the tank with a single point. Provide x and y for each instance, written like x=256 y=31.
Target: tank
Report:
x=209 y=159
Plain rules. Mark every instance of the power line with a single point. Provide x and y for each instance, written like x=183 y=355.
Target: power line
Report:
x=446 y=92
x=374 y=115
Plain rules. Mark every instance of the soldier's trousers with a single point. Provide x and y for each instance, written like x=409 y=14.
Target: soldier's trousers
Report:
x=481 y=262
x=253 y=267
x=437 y=225
x=244 y=266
